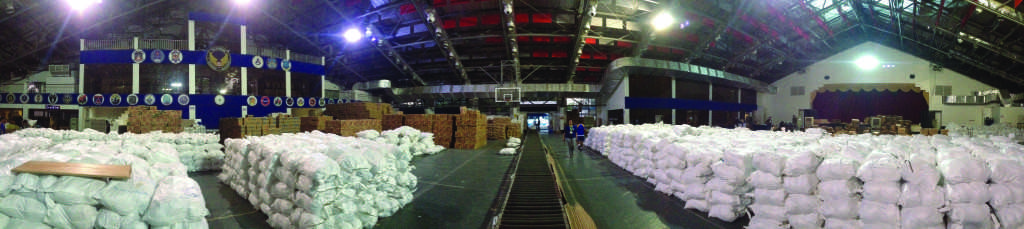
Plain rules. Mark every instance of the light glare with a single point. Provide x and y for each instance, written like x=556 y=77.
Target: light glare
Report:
x=81 y=5
x=242 y=2
x=662 y=21
x=352 y=35
x=175 y=84
x=867 y=62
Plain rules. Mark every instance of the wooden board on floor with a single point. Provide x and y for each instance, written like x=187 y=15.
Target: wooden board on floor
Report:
x=75 y=169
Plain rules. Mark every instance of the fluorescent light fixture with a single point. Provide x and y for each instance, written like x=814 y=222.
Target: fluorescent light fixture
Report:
x=662 y=21
x=176 y=84
x=223 y=91
x=81 y=5
x=352 y=35
x=867 y=62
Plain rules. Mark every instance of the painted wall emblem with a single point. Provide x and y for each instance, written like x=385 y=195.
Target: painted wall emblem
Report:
x=115 y=99
x=52 y=99
x=289 y=101
x=272 y=63
x=278 y=101
x=175 y=56
x=38 y=98
x=301 y=101
x=166 y=99
x=286 y=65
x=132 y=99
x=265 y=101
x=97 y=99
x=252 y=100
x=83 y=99
x=138 y=56
x=150 y=99
x=218 y=58
x=183 y=100
x=257 y=61
x=67 y=99
x=219 y=100
x=157 y=56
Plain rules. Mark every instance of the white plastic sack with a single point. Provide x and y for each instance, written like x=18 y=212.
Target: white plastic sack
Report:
x=882 y=192
x=725 y=213
x=729 y=174
x=769 y=162
x=803 y=184
x=841 y=208
x=775 y=197
x=879 y=170
x=837 y=169
x=507 y=151
x=124 y=198
x=764 y=223
x=843 y=224
x=1011 y=216
x=1007 y=171
x=972 y=192
x=839 y=188
x=963 y=170
x=699 y=205
x=1006 y=194
x=175 y=200
x=921 y=217
x=912 y=196
x=17 y=206
x=801 y=221
x=970 y=216
x=878 y=213
x=775 y=212
x=803 y=162
x=764 y=180
x=797 y=204
x=920 y=172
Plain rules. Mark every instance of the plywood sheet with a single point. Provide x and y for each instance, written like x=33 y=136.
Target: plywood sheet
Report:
x=75 y=169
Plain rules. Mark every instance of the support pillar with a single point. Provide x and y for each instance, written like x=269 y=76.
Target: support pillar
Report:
x=288 y=78
x=710 y=97
x=245 y=71
x=673 y=97
x=135 y=68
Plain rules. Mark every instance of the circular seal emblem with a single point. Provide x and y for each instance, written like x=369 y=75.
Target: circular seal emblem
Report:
x=322 y=102
x=167 y=99
x=278 y=101
x=52 y=98
x=132 y=99
x=183 y=100
x=289 y=101
x=38 y=98
x=219 y=100
x=150 y=99
x=97 y=99
x=312 y=102
x=265 y=101
x=157 y=56
x=252 y=100
x=300 y=101
x=66 y=99
x=257 y=61
x=138 y=56
x=10 y=98
x=83 y=99
x=218 y=58
x=286 y=65
x=23 y=98
x=115 y=99
x=272 y=63
x=330 y=101
x=175 y=56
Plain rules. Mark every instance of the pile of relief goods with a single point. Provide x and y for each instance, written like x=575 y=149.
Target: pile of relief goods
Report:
x=158 y=194
x=811 y=180
x=198 y=152
x=407 y=139
x=318 y=180
x=511 y=146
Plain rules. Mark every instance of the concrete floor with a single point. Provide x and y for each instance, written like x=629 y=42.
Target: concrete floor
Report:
x=457 y=187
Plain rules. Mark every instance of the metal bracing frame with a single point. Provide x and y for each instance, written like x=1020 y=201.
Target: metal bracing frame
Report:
x=433 y=22
x=586 y=11
x=508 y=24
x=380 y=42
x=721 y=28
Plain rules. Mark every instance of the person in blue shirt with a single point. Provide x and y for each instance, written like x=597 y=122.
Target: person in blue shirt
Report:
x=3 y=125
x=580 y=134
x=568 y=136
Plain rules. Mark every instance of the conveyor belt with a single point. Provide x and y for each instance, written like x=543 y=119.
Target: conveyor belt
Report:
x=534 y=200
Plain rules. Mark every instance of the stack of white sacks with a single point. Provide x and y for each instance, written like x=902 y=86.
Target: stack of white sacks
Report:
x=511 y=146
x=158 y=193
x=728 y=186
x=317 y=180
x=407 y=139
x=769 y=196
x=807 y=180
x=198 y=152
x=800 y=182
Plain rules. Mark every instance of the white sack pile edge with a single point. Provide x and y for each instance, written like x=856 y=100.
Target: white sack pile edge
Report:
x=811 y=180
x=199 y=152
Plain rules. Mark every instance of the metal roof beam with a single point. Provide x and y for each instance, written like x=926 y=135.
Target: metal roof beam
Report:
x=704 y=44
x=433 y=22
x=379 y=42
x=586 y=11
x=509 y=30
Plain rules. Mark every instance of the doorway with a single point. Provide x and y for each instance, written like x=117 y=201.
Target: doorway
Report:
x=539 y=121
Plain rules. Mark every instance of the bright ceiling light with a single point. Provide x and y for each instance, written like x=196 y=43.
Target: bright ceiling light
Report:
x=223 y=91
x=176 y=84
x=81 y=5
x=352 y=35
x=243 y=2
x=867 y=62
x=662 y=21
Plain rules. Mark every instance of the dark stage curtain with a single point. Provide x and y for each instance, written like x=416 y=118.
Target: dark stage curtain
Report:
x=862 y=104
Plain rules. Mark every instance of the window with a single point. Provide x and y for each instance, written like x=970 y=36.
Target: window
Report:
x=265 y=82
x=305 y=85
x=163 y=78
x=108 y=78
x=209 y=81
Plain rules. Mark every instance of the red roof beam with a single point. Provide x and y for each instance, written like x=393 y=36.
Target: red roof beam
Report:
x=817 y=18
x=783 y=19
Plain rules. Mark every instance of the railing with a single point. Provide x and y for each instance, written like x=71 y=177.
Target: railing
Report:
x=108 y=44
x=60 y=70
x=163 y=44
x=265 y=52
x=305 y=58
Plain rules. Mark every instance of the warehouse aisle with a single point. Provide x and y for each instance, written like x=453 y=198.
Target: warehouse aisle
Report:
x=455 y=190
x=614 y=198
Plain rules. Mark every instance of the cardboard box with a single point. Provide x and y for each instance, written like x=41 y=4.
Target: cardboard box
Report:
x=393 y=121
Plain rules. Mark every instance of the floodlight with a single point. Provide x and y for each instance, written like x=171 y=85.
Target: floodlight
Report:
x=662 y=21
x=352 y=35
x=176 y=84
x=867 y=62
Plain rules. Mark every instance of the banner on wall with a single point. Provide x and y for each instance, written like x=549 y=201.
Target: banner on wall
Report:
x=160 y=100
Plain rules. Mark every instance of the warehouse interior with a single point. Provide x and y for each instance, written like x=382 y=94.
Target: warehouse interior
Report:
x=511 y=114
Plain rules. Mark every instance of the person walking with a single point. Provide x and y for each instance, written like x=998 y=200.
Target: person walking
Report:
x=580 y=135
x=568 y=136
x=3 y=125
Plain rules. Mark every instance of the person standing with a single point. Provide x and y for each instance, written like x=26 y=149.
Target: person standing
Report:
x=3 y=125
x=580 y=135
x=569 y=137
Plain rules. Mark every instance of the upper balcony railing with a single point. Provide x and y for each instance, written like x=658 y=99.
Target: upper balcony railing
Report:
x=108 y=44
x=163 y=44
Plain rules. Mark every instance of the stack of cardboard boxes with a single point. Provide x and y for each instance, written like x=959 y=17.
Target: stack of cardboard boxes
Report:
x=470 y=130
x=287 y=123
x=349 y=128
x=314 y=123
x=443 y=126
x=422 y=122
x=393 y=121
x=306 y=112
x=514 y=130
x=496 y=128
x=145 y=119
x=248 y=126
x=345 y=111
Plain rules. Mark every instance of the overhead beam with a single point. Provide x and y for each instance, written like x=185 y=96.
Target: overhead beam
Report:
x=585 y=12
x=993 y=7
x=704 y=44
x=433 y=22
x=380 y=42
x=508 y=23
